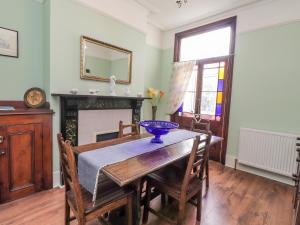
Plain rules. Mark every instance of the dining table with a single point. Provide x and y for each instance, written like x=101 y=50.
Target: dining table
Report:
x=131 y=171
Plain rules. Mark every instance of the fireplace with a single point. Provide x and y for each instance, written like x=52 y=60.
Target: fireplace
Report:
x=100 y=112
x=93 y=124
x=106 y=136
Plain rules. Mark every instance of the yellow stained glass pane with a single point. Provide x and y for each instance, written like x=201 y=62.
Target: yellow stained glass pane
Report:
x=221 y=73
x=219 y=97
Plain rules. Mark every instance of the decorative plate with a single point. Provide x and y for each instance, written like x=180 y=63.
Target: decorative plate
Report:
x=34 y=98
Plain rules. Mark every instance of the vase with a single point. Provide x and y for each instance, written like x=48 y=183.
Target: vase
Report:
x=154 y=109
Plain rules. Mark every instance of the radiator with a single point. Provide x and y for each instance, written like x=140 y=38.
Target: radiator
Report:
x=270 y=151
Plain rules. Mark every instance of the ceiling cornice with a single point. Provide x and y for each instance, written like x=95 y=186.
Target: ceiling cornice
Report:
x=234 y=10
x=148 y=6
x=153 y=10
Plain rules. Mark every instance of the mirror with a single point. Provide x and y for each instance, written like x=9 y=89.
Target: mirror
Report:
x=100 y=60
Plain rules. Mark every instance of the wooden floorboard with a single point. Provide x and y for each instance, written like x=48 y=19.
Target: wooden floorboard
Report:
x=234 y=198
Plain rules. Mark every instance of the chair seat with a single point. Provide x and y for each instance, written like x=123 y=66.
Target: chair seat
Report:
x=109 y=192
x=170 y=179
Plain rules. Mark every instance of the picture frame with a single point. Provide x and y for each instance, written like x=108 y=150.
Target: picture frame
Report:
x=9 y=42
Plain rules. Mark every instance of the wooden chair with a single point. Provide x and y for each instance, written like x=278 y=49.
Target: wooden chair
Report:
x=134 y=129
x=79 y=200
x=200 y=125
x=203 y=126
x=180 y=185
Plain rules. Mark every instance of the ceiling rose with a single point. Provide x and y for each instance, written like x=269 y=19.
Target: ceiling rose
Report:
x=181 y=2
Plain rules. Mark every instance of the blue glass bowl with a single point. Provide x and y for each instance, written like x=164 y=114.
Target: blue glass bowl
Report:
x=158 y=128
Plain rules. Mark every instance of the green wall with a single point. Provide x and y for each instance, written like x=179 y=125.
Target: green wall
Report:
x=166 y=72
x=46 y=31
x=265 y=83
x=19 y=74
x=119 y=68
x=153 y=77
x=105 y=68
x=66 y=27
x=98 y=66
x=49 y=44
x=265 y=92
x=65 y=30
x=266 y=80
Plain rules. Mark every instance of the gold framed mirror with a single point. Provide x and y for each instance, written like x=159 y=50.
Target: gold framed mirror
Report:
x=100 y=60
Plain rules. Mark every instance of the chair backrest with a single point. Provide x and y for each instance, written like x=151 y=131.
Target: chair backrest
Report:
x=134 y=129
x=69 y=170
x=200 y=125
x=197 y=160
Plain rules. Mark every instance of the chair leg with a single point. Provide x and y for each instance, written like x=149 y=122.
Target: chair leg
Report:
x=163 y=199
x=67 y=213
x=199 y=205
x=129 y=211
x=147 y=203
x=207 y=174
x=143 y=181
x=181 y=213
x=170 y=200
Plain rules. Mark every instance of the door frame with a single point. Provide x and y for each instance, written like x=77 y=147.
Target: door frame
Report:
x=232 y=21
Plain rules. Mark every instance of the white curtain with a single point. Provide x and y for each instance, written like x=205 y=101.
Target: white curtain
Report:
x=181 y=75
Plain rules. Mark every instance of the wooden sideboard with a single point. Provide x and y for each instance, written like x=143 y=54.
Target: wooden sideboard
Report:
x=25 y=150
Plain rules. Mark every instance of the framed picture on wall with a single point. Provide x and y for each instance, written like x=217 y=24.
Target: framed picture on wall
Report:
x=9 y=42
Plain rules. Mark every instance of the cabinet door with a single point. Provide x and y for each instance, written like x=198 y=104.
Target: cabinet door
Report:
x=22 y=161
x=3 y=162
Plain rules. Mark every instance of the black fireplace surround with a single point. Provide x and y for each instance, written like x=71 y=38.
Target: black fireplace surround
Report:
x=71 y=104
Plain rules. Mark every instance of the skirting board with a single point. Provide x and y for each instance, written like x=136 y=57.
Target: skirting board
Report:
x=56 y=179
x=230 y=162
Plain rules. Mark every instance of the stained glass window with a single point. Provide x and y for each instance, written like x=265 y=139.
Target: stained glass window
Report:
x=190 y=94
x=211 y=93
x=206 y=45
x=212 y=89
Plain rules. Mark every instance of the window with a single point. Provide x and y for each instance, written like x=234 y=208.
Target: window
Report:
x=191 y=93
x=213 y=48
x=206 y=45
x=212 y=89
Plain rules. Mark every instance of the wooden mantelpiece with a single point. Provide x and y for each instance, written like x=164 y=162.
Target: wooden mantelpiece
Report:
x=71 y=104
x=25 y=150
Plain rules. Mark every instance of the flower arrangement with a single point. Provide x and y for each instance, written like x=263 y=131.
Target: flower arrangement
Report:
x=155 y=96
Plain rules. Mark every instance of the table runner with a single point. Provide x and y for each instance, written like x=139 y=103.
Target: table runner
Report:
x=90 y=163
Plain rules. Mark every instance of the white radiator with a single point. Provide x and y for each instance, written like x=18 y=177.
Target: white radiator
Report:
x=274 y=152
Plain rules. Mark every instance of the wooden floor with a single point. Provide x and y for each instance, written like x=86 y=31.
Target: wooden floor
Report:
x=234 y=198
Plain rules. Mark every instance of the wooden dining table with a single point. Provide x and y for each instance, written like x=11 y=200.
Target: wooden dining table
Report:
x=131 y=171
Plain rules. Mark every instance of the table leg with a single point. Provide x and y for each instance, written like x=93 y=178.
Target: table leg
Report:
x=137 y=202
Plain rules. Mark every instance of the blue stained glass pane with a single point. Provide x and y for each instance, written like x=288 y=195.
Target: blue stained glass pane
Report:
x=219 y=110
x=180 y=109
x=220 y=85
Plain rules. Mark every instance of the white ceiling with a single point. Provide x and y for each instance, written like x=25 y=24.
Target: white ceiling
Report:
x=166 y=15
